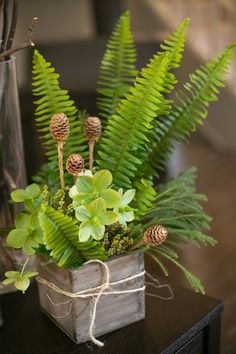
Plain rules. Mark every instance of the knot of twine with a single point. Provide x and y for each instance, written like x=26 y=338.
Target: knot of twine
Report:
x=101 y=290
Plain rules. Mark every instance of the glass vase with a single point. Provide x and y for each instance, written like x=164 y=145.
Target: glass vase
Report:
x=12 y=166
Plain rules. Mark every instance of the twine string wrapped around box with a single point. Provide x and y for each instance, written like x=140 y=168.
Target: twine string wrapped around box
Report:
x=102 y=290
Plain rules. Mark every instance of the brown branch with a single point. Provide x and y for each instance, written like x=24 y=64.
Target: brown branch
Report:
x=13 y=24
x=25 y=45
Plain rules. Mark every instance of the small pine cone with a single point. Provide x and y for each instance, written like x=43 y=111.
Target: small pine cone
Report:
x=59 y=127
x=93 y=128
x=75 y=164
x=155 y=235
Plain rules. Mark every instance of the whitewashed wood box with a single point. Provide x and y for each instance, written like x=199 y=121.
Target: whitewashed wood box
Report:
x=113 y=311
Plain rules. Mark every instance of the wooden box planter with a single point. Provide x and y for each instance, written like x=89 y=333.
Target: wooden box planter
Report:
x=113 y=310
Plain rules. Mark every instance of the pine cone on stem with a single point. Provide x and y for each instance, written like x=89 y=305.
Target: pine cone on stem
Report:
x=153 y=236
x=59 y=128
x=92 y=131
x=75 y=165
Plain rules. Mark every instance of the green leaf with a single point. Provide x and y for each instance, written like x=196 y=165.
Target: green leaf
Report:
x=8 y=281
x=22 y=221
x=102 y=180
x=97 y=231
x=30 y=274
x=84 y=184
x=12 y=274
x=31 y=242
x=82 y=213
x=22 y=284
x=17 y=238
x=97 y=207
x=33 y=190
x=123 y=143
x=19 y=195
x=108 y=217
x=111 y=198
x=127 y=197
x=51 y=99
x=85 y=231
x=117 y=70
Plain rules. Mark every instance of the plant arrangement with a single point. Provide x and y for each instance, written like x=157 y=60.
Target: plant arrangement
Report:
x=107 y=198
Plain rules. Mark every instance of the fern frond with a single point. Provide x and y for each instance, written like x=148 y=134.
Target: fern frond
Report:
x=192 y=279
x=61 y=238
x=117 y=71
x=144 y=197
x=178 y=208
x=191 y=109
x=174 y=44
x=52 y=99
x=127 y=131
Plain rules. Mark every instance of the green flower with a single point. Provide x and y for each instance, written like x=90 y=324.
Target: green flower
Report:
x=27 y=234
x=124 y=211
x=93 y=218
x=31 y=196
x=89 y=188
x=20 y=280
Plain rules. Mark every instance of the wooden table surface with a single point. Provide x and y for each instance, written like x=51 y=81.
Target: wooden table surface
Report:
x=168 y=326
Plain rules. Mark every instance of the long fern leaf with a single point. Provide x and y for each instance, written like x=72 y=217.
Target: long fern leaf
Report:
x=52 y=99
x=127 y=131
x=117 y=71
x=190 y=109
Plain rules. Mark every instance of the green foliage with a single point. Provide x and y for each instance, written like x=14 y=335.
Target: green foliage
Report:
x=117 y=70
x=19 y=279
x=191 y=107
x=88 y=188
x=124 y=211
x=31 y=197
x=177 y=207
x=144 y=198
x=52 y=99
x=127 y=131
x=93 y=218
x=92 y=197
x=27 y=234
x=61 y=238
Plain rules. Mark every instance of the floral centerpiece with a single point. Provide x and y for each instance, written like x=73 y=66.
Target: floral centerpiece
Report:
x=107 y=199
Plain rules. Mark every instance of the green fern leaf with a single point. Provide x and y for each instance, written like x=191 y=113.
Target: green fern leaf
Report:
x=191 y=109
x=61 y=238
x=117 y=71
x=177 y=207
x=144 y=197
x=174 y=44
x=52 y=99
x=127 y=131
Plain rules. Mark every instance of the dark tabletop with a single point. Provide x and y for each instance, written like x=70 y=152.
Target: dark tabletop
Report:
x=168 y=325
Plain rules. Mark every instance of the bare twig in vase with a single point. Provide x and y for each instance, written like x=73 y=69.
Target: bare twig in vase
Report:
x=25 y=45
x=13 y=24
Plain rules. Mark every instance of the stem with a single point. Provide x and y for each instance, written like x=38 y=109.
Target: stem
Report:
x=23 y=268
x=137 y=245
x=60 y=163
x=91 y=148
